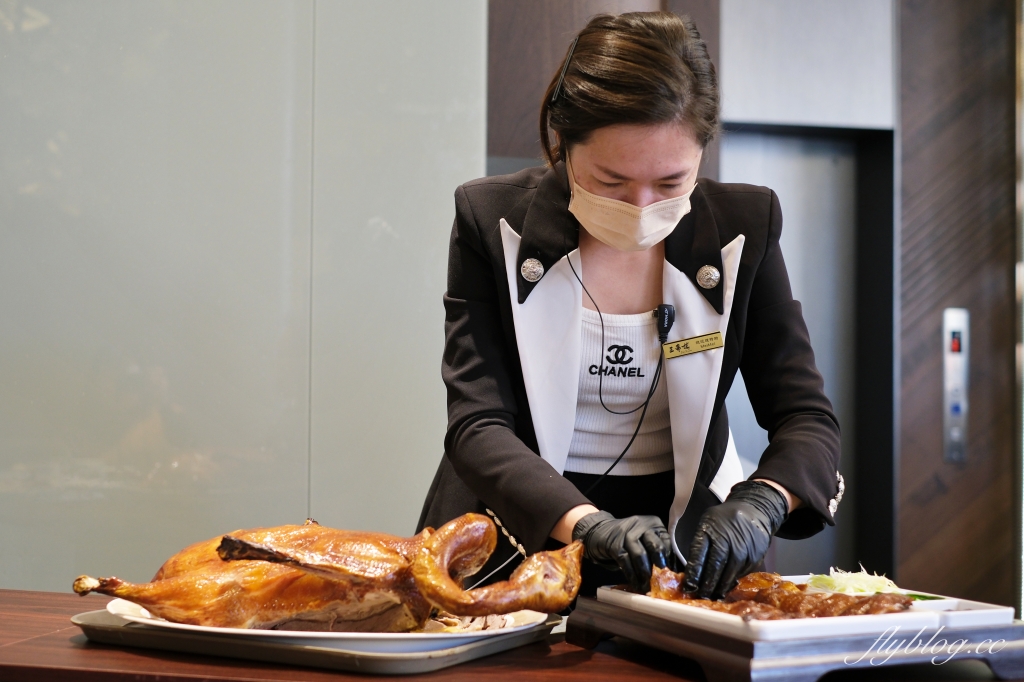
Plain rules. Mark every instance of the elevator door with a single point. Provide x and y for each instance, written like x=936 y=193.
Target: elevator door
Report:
x=815 y=180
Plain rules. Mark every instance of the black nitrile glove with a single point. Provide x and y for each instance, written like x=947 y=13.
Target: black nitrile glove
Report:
x=631 y=544
x=732 y=537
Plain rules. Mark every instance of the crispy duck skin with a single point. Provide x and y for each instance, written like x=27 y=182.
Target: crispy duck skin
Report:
x=315 y=578
x=766 y=596
x=666 y=584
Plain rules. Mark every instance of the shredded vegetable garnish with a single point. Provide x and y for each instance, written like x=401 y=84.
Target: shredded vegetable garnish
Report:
x=846 y=582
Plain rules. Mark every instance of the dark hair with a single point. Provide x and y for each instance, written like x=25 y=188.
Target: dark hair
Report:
x=637 y=68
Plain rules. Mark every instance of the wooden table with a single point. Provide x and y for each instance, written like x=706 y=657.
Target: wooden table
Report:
x=38 y=643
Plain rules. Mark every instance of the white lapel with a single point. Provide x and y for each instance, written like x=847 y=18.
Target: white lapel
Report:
x=693 y=379
x=548 y=326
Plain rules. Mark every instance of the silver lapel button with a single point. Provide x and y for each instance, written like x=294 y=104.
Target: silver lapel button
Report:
x=532 y=269
x=708 y=277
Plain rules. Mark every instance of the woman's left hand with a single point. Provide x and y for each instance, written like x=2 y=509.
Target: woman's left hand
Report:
x=733 y=537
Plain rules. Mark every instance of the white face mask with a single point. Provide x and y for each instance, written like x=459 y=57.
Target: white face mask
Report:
x=624 y=226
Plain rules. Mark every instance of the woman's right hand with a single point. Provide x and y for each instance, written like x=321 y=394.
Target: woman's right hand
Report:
x=632 y=544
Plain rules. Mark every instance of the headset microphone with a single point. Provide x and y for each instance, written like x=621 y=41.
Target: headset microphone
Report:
x=666 y=315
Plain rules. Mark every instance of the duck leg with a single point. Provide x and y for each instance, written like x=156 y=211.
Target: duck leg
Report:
x=546 y=581
x=224 y=599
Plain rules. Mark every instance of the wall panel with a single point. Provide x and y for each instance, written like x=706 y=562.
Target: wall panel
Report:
x=154 y=270
x=528 y=40
x=955 y=532
x=707 y=16
x=400 y=123
x=808 y=62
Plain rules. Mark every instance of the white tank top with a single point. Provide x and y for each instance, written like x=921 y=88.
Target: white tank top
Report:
x=630 y=357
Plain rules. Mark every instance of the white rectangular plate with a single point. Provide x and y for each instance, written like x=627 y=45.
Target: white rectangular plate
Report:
x=769 y=630
x=974 y=613
x=947 y=611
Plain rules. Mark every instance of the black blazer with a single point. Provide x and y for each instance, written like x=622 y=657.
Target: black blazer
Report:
x=493 y=439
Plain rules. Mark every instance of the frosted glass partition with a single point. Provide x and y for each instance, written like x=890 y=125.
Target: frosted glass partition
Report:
x=154 y=270
x=814 y=179
x=157 y=203
x=394 y=138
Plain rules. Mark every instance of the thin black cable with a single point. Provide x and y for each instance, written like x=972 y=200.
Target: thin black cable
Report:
x=657 y=375
x=600 y=362
x=643 y=406
x=650 y=394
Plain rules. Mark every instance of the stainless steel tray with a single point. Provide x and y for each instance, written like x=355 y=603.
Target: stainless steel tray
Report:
x=103 y=627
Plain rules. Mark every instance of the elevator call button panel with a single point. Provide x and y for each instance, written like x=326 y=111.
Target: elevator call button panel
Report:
x=955 y=354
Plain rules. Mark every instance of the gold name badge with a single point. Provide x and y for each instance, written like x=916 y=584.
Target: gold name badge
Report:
x=697 y=344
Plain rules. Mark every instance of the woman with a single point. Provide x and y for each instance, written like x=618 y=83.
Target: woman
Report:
x=567 y=419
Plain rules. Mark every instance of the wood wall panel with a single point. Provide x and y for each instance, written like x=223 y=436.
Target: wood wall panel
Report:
x=527 y=40
x=707 y=15
x=957 y=246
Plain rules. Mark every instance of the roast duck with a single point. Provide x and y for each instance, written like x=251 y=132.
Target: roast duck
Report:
x=766 y=596
x=311 y=577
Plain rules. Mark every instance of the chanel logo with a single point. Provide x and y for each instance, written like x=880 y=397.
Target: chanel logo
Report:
x=619 y=355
